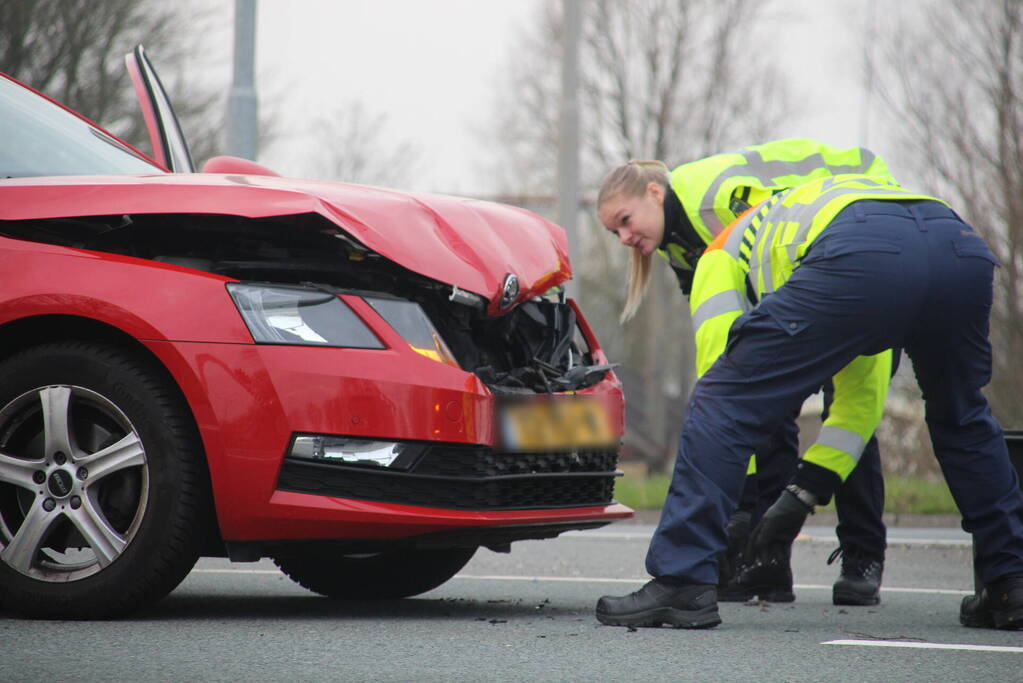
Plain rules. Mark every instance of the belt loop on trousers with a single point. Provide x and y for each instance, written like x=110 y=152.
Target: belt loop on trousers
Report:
x=859 y=213
x=915 y=210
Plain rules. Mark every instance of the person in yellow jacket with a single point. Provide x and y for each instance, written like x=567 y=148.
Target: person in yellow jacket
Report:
x=841 y=268
x=706 y=195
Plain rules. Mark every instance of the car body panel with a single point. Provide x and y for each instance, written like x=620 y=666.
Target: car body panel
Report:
x=168 y=142
x=317 y=517
x=188 y=305
x=490 y=242
x=147 y=108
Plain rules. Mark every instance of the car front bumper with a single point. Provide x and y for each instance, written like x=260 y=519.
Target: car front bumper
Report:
x=250 y=400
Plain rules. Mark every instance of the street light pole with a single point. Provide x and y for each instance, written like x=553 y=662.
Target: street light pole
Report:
x=242 y=103
x=568 y=138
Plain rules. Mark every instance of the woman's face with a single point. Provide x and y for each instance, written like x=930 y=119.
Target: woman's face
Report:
x=637 y=222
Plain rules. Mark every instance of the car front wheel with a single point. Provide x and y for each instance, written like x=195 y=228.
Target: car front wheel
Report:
x=102 y=485
x=381 y=576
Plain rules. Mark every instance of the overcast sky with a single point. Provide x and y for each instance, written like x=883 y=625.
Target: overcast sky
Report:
x=431 y=67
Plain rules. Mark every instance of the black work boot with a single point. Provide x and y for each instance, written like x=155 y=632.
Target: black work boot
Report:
x=860 y=580
x=661 y=602
x=730 y=560
x=998 y=605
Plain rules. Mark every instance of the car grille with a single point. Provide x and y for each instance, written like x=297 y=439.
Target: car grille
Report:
x=466 y=479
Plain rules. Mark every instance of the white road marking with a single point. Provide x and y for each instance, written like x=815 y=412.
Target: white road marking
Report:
x=588 y=579
x=615 y=535
x=895 y=540
x=594 y=579
x=926 y=646
x=935 y=591
x=237 y=571
x=820 y=538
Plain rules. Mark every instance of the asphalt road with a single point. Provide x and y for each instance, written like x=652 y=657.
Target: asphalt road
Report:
x=528 y=616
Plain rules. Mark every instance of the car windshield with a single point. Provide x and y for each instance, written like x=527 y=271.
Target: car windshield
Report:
x=41 y=139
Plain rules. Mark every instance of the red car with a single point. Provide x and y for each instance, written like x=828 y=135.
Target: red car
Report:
x=362 y=384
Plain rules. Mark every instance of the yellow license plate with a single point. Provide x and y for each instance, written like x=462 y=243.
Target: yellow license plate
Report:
x=555 y=425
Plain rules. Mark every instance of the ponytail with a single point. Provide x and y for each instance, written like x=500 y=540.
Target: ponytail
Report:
x=639 y=280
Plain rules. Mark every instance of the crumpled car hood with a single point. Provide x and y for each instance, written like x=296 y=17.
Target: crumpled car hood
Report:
x=471 y=244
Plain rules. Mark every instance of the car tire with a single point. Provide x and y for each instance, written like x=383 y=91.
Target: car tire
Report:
x=381 y=576
x=104 y=493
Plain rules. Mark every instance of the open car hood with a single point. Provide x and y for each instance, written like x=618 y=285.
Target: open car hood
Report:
x=471 y=244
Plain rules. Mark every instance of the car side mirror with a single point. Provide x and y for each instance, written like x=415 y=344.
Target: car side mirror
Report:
x=236 y=165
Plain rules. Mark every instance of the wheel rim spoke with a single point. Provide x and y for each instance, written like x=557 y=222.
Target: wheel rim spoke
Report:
x=127 y=452
x=56 y=403
x=23 y=548
x=68 y=513
x=17 y=471
x=105 y=542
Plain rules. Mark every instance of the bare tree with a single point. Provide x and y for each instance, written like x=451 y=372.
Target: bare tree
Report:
x=955 y=99
x=659 y=79
x=360 y=150
x=73 y=50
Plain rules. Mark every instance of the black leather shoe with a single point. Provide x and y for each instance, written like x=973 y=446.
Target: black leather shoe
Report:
x=998 y=605
x=860 y=580
x=659 y=602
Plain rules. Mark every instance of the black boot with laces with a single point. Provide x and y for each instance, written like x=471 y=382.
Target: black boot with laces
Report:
x=860 y=581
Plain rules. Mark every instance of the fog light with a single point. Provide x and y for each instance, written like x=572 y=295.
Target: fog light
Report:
x=342 y=450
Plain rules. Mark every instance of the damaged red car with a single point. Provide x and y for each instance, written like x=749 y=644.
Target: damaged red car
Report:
x=362 y=384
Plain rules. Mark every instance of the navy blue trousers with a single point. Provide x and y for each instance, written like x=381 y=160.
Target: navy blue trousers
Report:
x=882 y=275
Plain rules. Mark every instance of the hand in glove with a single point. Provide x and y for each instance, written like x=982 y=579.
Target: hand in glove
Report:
x=781 y=523
x=730 y=559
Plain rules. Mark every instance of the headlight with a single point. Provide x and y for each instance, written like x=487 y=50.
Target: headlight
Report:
x=278 y=314
x=410 y=321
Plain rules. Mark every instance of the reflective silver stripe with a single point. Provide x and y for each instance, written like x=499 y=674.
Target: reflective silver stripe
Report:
x=766 y=171
x=761 y=263
x=723 y=302
x=734 y=240
x=762 y=235
x=842 y=440
x=738 y=233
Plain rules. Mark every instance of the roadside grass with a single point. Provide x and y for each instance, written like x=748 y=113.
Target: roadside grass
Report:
x=903 y=495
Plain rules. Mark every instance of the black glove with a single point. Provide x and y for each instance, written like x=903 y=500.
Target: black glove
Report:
x=730 y=559
x=781 y=523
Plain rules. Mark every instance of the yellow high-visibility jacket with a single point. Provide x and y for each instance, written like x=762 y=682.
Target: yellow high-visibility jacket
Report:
x=756 y=255
x=716 y=189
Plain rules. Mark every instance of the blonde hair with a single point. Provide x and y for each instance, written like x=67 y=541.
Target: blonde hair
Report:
x=631 y=180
